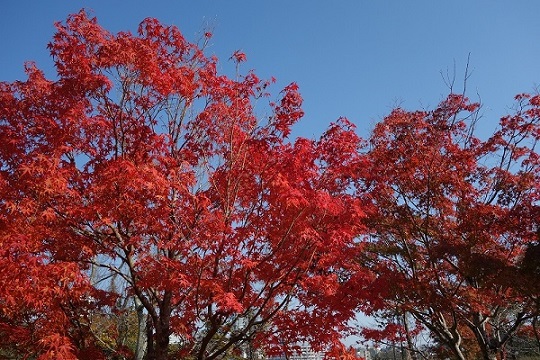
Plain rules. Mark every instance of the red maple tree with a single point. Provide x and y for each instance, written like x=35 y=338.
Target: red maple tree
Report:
x=454 y=216
x=142 y=176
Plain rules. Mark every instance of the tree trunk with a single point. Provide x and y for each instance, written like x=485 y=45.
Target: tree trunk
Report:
x=161 y=344
x=158 y=331
x=410 y=351
x=489 y=352
x=149 y=339
x=488 y=346
x=158 y=343
x=140 y=349
x=459 y=354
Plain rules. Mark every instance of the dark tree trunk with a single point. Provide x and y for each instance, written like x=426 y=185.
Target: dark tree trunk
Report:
x=149 y=339
x=158 y=331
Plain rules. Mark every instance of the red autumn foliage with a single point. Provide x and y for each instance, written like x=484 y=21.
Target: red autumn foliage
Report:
x=454 y=217
x=142 y=176
x=142 y=180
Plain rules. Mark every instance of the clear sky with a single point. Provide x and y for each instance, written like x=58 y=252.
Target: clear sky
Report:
x=351 y=58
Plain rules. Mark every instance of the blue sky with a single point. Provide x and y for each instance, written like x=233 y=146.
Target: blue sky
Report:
x=351 y=58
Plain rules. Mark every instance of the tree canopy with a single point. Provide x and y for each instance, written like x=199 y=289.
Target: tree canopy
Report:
x=142 y=176
x=455 y=217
